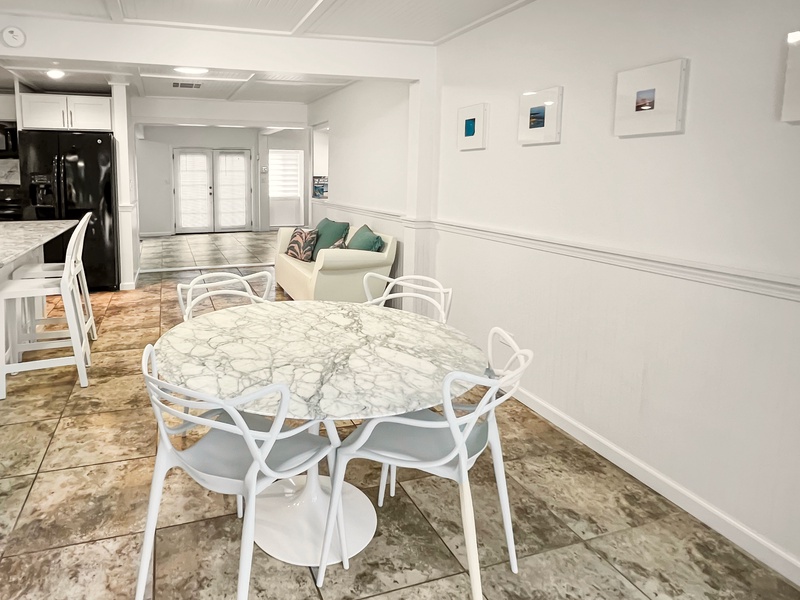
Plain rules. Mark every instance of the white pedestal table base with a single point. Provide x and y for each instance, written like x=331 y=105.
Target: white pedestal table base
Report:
x=291 y=515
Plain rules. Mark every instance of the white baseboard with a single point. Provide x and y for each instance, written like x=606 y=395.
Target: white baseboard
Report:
x=127 y=286
x=750 y=541
x=156 y=234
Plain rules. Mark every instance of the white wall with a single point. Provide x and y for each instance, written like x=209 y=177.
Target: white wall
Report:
x=154 y=214
x=320 y=149
x=682 y=369
x=368 y=144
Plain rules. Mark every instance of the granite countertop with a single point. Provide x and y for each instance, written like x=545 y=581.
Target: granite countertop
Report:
x=20 y=237
x=340 y=360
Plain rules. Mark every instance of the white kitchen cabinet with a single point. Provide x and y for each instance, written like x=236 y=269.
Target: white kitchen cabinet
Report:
x=55 y=111
x=8 y=109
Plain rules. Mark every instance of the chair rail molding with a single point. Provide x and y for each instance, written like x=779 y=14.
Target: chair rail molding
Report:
x=359 y=210
x=766 y=284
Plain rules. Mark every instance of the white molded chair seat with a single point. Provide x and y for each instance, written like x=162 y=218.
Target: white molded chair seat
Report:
x=241 y=454
x=446 y=445
x=418 y=288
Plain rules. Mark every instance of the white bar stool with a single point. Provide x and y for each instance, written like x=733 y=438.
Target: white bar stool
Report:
x=13 y=294
x=56 y=270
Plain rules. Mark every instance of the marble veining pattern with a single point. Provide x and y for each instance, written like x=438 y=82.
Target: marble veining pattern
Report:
x=340 y=360
x=20 y=237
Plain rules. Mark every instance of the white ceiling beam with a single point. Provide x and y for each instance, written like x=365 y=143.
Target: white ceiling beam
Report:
x=234 y=93
x=485 y=19
x=312 y=16
x=23 y=79
x=115 y=12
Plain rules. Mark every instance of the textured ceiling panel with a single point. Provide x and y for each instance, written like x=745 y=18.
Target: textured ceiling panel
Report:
x=74 y=83
x=417 y=20
x=261 y=91
x=267 y=15
x=6 y=80
x=93 y=9
x=219 y=90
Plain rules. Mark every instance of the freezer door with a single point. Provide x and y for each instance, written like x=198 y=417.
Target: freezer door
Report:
x=40 y=177
x=87 y=161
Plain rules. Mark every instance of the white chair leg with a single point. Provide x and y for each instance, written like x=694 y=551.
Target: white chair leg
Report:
x=76 y=334
x=156 y=489
x=337 y=482
x=470 y=539
x=502 y=491
x=239 y=506
x=382 y=486
x=342 y=537
x=248 y=539
x=392 y=479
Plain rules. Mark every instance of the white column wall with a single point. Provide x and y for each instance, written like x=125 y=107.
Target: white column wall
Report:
x=656 y=278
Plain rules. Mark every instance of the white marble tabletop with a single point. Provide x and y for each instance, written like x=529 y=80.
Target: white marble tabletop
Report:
x=19 y=237
x=340 y=360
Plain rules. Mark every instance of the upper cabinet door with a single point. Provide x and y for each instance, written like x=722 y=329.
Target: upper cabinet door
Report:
x=44 y=111
x=89 y=113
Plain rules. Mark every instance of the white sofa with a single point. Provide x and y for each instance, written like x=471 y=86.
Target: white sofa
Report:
x=337 y=274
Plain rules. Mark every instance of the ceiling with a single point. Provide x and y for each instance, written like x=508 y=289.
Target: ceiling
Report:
x=408 y=21
x=425 y=22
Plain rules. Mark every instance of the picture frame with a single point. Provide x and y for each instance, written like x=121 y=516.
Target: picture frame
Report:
x=651 y=100
x=540 y=116
x=472 y=127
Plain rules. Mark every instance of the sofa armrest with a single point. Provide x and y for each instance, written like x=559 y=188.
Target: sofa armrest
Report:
x=284 y=235
x=336 y=259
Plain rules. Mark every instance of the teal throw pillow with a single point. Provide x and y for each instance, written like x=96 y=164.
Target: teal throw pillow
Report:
x=328 y=232
x=365 y=239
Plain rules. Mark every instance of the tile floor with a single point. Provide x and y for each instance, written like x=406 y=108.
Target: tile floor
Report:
x=208 y=250
x=75 y=468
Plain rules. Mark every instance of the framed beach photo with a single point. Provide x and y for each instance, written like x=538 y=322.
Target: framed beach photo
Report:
x=472 y=127
x=652 y=100
x=540 y=116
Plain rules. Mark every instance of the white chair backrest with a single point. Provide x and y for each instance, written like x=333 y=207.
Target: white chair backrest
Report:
x=499 y=389
x=167 y=399
x=74 y=254
x=419 y=287
x=219 y=284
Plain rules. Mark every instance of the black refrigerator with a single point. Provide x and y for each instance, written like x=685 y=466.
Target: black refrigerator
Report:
x=64 y=175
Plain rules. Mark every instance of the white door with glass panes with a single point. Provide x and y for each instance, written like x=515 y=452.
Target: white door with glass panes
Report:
x=286 y=188
x=212 y=190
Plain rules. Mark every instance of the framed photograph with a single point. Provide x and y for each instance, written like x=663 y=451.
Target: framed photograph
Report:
x=472 y=127
x=652 y=100
x=540 y=116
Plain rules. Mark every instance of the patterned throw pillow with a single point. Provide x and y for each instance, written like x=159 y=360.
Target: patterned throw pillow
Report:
x=301 y=245
x=339 y=244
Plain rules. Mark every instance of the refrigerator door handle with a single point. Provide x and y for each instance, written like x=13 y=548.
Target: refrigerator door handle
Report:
x=63 y=119
x=71 y=122
x=62 y=188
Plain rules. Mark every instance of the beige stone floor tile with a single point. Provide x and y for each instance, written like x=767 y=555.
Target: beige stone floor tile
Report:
x=22 y=446
x=126 y=339
x=101 y=437
x=35 y=403
x=116 y=363
x=13 y=492
x=107 y=394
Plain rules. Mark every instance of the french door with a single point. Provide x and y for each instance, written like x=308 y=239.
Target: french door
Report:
x=212 y=190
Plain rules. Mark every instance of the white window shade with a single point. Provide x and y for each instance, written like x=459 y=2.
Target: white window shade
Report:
x=193 y=181
x=286 y=174
x=231 y=190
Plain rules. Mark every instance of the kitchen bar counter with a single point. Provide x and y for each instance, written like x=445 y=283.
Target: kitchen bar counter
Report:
x=17 y=238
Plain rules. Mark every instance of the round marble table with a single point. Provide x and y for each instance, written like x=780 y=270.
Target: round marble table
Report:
x=341 y=361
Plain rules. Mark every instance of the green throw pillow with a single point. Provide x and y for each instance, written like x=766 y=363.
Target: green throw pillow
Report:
x=328 y=233
x=365 y=239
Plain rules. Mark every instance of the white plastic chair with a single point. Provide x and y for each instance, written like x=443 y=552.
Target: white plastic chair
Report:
x=419 y=287
x=221 y=284
x=56 y=270
x=445 y=444
x=21 y=329
x=242 y=454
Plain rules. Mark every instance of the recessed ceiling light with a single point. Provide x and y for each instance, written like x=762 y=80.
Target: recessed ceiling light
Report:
x=236 y=126
x=55 y=74
x=549 y=103
x=192 y=125
x=528 y=93
x=793 y=37
x=191 y=70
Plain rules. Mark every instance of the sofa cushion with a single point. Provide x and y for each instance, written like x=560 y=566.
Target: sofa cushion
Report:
x=365 y=239
x=329 y=232
x=339 y=245
x=301 y=245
